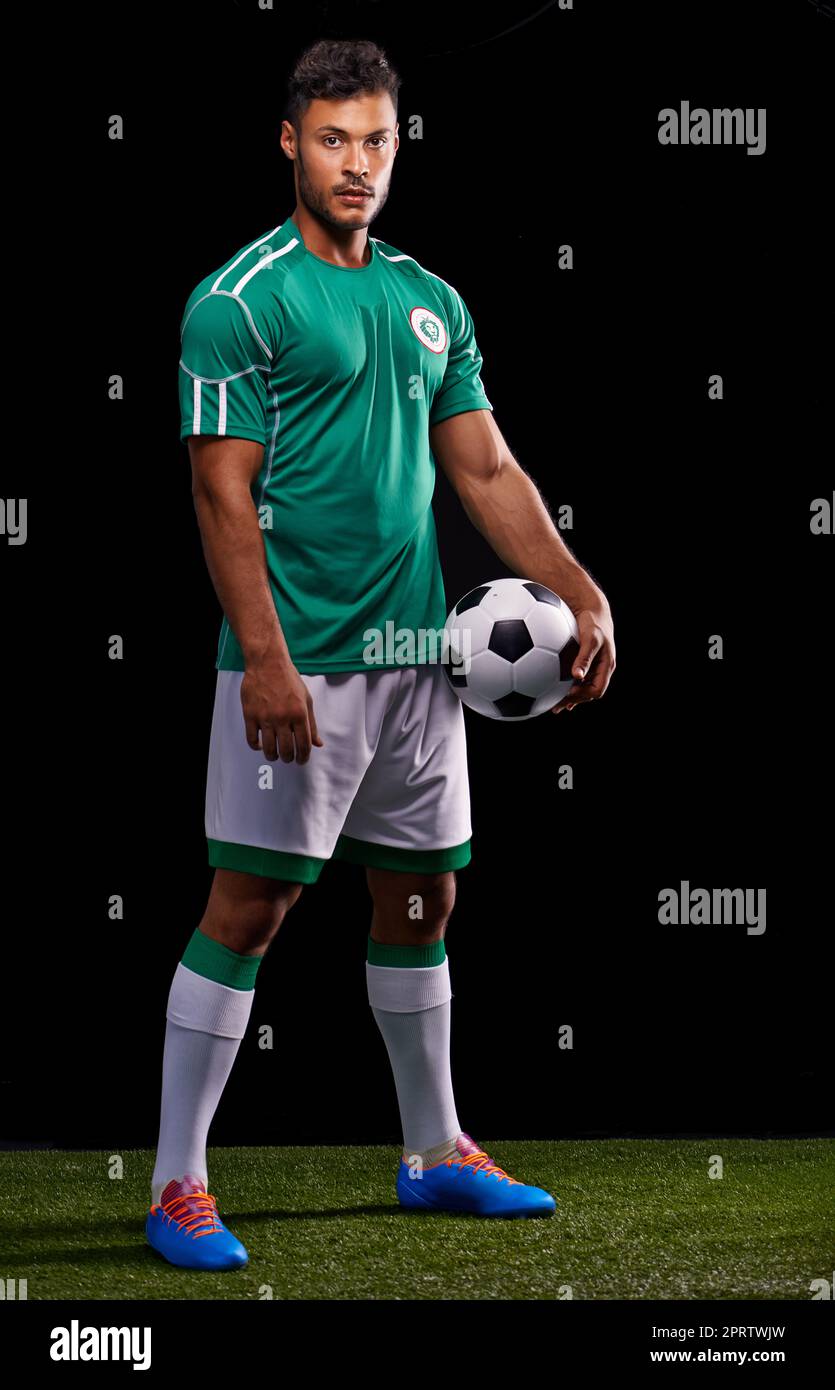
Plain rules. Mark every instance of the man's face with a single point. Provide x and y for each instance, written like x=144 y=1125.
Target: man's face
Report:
x=346 y=145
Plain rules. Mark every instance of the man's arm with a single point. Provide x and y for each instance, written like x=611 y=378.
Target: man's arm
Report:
x=274 y=697
x=505 y=506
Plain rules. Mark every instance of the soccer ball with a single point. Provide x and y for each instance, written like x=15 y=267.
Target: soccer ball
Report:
x=510 y=648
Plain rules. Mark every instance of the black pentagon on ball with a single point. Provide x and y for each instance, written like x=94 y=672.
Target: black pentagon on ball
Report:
x=510 y=638
x=541 y=593
x=514 y=705
x=472 y=599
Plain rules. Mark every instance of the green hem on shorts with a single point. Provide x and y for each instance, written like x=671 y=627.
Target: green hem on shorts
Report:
x=266 y=863
x=306 y=868
x=418 y=861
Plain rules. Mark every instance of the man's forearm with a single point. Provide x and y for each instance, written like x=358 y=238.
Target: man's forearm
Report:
x=235 y=557
x=507 y=509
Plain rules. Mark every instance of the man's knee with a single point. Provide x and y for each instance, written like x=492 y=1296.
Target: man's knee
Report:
x=439 y=899
x=423 y=902
x=246 y=910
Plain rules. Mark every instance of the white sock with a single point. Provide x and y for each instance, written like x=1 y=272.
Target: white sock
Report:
x=205 y=1022
x=437 y=1154
x=412 y=1010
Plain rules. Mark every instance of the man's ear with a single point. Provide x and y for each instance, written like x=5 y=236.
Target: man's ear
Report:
x=288 y=136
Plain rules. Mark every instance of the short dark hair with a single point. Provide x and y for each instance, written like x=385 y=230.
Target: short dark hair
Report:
x=335 y=69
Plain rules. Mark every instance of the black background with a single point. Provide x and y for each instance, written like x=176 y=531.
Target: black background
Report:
x=692 y=515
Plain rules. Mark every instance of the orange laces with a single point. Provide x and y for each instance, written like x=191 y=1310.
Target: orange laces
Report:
x=202 y=1215
x=480 y=1162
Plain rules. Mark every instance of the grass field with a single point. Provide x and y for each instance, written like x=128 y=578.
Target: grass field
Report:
x=635 y=1219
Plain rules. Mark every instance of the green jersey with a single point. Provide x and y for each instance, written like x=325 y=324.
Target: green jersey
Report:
x=339 y=373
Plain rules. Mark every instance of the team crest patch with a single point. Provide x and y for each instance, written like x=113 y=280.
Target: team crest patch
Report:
x=429 y=328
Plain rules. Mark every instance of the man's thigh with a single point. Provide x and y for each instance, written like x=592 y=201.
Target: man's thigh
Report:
x=283 y=820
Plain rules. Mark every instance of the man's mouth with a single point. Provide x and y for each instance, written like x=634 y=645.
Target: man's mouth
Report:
x=355 y=193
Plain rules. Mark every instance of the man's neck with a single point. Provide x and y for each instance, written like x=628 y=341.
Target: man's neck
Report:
x=349 y=249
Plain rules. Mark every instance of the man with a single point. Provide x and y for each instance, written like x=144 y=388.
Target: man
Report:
x=322 y=373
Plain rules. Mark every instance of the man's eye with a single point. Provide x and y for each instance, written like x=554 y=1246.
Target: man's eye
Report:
x=380 y=138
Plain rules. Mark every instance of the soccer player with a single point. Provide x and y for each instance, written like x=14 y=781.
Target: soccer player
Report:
x=323 y=373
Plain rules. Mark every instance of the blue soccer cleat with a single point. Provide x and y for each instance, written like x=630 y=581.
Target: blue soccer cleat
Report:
x=184 y=1226
x=470 y=1182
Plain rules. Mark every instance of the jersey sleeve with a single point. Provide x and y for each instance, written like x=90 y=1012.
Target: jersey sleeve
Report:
x=462 y=388
x=224 y=371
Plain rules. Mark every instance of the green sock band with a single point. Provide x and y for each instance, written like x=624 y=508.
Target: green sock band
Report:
x=379 y=953
x=211 y=958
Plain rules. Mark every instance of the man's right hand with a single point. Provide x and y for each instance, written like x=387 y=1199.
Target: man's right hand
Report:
x=278 y=705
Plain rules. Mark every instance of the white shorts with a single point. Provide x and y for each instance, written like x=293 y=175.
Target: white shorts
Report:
x=389 y=788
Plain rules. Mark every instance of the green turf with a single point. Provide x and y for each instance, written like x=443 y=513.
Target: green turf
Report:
x=635 y=1219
